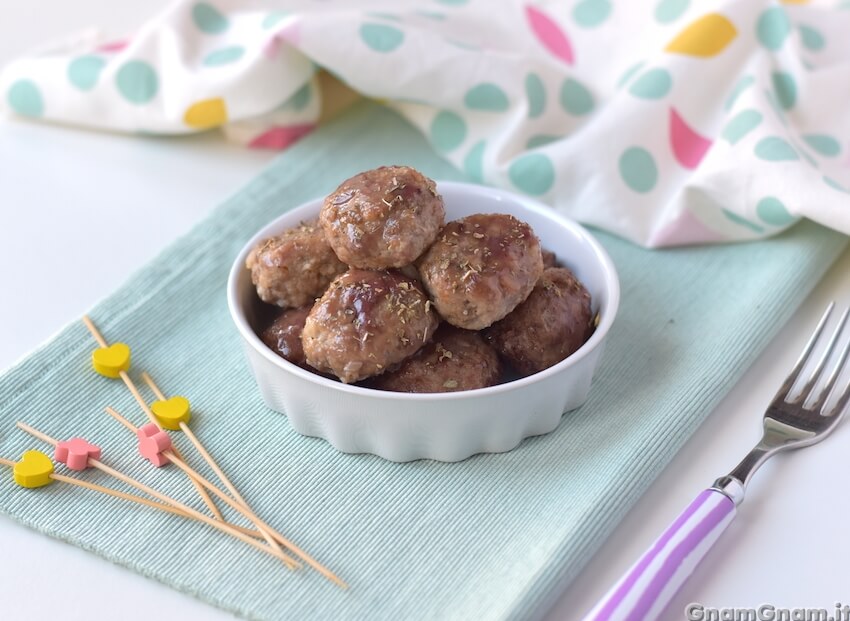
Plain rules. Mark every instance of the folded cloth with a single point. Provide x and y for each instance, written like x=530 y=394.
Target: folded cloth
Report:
x=668 y=123
x=492 y=537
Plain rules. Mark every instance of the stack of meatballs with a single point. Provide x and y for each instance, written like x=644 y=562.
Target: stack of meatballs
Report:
x=381 y=291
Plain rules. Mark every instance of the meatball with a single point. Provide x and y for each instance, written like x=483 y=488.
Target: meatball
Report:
x=295 y=267
x=455 y=360
x=551 y=324
x=283 y=335
x=480 y=268
x=366 y=322
x=549 y=259
x=383 y=218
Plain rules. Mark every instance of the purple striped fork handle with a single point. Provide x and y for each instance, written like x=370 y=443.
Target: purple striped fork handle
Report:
x=644 y=592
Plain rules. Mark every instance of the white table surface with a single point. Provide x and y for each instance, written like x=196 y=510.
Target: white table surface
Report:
x=77 y=193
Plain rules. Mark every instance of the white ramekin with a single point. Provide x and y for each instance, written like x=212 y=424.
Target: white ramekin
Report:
x=444 y=426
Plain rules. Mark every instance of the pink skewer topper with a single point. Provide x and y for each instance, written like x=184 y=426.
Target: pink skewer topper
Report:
x=76 y=452
x=153 y=441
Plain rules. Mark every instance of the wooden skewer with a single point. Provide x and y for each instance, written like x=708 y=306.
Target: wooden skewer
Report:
x=177 y=459
x=200 y=481
x=130 y=497
x=138 y=397
x=208 y=458
x=197 y=444
x=222 y=526
x=241 y=508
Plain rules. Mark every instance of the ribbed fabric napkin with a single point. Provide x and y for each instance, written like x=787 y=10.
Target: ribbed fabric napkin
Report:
x=492 y=537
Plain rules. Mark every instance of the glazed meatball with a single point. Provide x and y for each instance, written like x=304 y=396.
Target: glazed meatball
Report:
x=295 y=267
x=283 y=335
x=551 y=324
x=480 y=268
x=549 y=259
x=455 y=360
x=366 y=322
x=383 y=218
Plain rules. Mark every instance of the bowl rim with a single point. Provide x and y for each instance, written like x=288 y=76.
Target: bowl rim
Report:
x=610 y=282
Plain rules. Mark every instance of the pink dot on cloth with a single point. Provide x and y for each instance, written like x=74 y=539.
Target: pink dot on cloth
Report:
x=281 y=137
x=288 y=32
x=550 y=34
x=112 y=46
x=685 y=230
x=688 y=146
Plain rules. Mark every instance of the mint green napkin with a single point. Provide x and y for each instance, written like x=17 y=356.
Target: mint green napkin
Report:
x=492 y=537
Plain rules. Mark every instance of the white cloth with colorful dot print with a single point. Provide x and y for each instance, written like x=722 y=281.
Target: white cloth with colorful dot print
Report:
x=667 y=122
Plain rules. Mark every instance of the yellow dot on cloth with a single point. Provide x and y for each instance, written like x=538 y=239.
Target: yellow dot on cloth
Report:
x=206 y=113
x=705 y=37
x=795 y=1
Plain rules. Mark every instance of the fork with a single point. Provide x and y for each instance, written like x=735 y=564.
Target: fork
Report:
x=789 y=423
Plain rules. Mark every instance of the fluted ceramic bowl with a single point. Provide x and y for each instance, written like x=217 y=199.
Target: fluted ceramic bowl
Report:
x=443 y=426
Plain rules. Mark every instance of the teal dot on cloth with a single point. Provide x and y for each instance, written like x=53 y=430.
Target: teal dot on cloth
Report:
x=743 y=84
x=741 y=221
x=84 y=71
x=654 y=84
x=137 y=82
x=812 y=39
x=775 y=149
x=381 y=15
x=785 y=88
x=535 y=90
x=473 y=163
x=540 y=140
x=209 y=19
x=823 y=144
x=224 y=56
x=381 y=37
x=741 y=124
x=25 y=98
x=771 y=211
x=575 y=98
x=591 y=13
x=773 y=27
x=668 y=11
x=638 y=169
x=533 y=173
x=301 y=98
x=631 y=71
x=812 y=161
x=435 y=15
x=835 y=185
x=448 y=131
x=486 y=96
x=464 y=45
x=274 y=18
x=780 y=113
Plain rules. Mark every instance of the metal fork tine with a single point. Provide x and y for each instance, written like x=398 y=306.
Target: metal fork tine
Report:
x=841 y=405
x=808 y=389
x=836 y=371
x=785 y=389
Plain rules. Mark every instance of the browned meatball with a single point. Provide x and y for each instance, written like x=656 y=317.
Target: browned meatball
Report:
x=295 y=267
x=283 y=335
x=549 y=259
x=455 y=360
x=383 y=218
x=367 y=321
x=480 y=268
x=551 y=324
